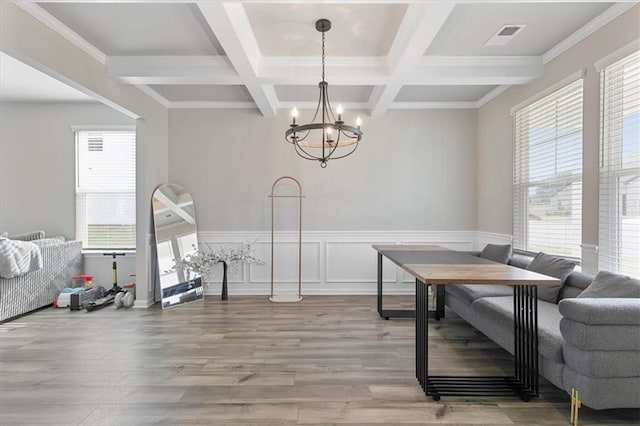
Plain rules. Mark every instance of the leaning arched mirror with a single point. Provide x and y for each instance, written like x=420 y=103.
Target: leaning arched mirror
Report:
x=174 y=219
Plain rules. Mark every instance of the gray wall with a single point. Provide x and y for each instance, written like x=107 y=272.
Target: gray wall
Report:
x=33 y=42
x=495 y=128
x=414 y=170
x=37 y=163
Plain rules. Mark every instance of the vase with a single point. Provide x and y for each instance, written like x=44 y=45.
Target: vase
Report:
x=225 y=295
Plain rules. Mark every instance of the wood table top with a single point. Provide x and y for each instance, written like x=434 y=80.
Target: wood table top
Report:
x=437 y=265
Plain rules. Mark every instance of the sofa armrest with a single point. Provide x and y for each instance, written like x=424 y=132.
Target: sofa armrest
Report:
x=613 y=311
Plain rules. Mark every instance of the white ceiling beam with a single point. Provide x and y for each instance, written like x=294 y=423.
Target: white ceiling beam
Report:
x=230 y=24
x=419 y=27
x=475 y=70
x=171 y=70
x=354 y=71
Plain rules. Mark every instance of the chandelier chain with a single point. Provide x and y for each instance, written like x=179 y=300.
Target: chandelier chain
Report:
x=322 y=56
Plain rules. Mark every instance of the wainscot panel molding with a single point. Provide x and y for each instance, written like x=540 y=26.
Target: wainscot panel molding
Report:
x=333 y=262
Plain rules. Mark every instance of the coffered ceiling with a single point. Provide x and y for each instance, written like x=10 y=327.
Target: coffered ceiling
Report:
x=381 y=55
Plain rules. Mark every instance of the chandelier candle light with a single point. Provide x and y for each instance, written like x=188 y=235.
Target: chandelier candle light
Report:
x=333 y=133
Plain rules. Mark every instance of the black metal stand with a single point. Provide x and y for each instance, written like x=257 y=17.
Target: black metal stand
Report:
x=524 y=383
x=408 y=313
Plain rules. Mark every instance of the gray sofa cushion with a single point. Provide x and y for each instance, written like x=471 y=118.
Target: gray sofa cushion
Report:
x=552 y=266
x=624 y=311
x=602 y=363
x=497 y=253
x=469 y=293
x=600 y=337
x=499 y=311
x=48 y=241
x=606 y=284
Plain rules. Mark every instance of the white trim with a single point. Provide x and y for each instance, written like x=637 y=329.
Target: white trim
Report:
x=106 y=128
x=624 y=51
x=549 y=90
x=589 y=261
x=585 y=31
x=52 y=22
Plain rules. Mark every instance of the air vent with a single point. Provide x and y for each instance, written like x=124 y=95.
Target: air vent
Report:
x=505 y=35
x=95 y=144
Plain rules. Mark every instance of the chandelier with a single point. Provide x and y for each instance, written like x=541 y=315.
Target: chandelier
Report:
x=321 y=140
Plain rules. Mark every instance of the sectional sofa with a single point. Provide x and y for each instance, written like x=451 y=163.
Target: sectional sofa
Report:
x=589 y=332
x=61 y=260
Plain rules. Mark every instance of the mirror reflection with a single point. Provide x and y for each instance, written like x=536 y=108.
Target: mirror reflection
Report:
x=174 y=219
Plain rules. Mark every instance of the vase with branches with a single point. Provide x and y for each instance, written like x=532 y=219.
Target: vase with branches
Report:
x=205 y=257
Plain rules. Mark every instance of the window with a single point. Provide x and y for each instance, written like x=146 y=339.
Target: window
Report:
x=547 y=175
x=106 y=189
x=619 y=245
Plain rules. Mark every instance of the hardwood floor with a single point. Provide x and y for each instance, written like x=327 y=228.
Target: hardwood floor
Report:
x=325 y=360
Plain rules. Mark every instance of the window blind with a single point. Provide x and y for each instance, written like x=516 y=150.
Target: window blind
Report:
x=619 y=240
x=547 y=175
x=106 y=189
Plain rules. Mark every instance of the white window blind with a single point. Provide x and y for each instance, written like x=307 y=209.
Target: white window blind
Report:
x=547 y=175
x=619 y=242
x=106 y=189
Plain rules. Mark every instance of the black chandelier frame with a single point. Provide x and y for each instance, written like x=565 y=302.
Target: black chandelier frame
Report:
x=345 y=135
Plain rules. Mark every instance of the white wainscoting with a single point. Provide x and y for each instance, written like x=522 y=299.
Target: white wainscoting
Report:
x=332 y=262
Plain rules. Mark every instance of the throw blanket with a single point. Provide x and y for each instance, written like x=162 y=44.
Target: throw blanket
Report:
x=18 y=257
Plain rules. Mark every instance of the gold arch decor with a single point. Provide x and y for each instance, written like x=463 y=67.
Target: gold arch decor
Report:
x=273 y=196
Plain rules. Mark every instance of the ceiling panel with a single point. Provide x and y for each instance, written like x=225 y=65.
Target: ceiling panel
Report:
x=357 y=29
x=337 y=94
x=202 y=93
x=442 y=93
x=139 y=29
x=21 y=83
x=470 y=26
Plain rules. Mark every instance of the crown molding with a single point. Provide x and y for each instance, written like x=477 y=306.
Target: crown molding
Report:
x=591 y=27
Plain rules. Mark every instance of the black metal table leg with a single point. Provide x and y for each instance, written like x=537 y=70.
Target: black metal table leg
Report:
x=388 y=313
x=525 y=381
x=380 y=286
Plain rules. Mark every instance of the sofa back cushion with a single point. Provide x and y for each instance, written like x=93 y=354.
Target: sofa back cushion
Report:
x=29 y=236
x=552 y=266
x=607 y=284
x=497 y=253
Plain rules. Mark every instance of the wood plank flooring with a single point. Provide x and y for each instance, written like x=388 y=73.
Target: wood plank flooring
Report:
x=325 y=360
